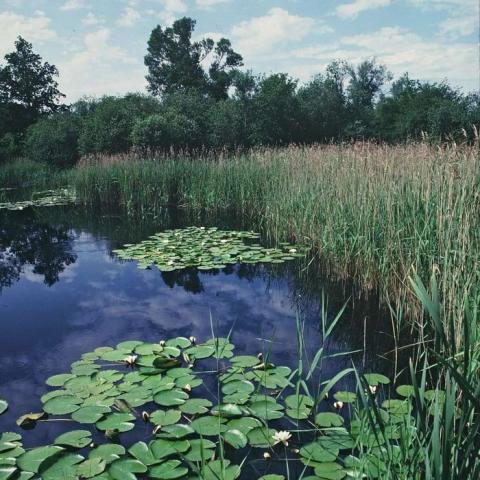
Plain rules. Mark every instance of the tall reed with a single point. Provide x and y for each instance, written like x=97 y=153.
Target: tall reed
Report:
x=372 y=212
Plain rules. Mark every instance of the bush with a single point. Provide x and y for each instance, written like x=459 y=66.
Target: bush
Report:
x=150 y=133
x=9 y=147
x=164 y=131
x=54 y=140
x=107 y=124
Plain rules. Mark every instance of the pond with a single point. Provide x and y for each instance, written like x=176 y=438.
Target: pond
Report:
x=63 y=292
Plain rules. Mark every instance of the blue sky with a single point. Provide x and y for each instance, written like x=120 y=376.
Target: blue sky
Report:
x=98 y=45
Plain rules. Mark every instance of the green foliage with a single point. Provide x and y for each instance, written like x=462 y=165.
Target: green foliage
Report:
x=204 y=248
x=54 y=140
x=25 y=80
x=174 y=61
x=276 y=111
x=414 y=109
x=49 y=198
x=107 y=126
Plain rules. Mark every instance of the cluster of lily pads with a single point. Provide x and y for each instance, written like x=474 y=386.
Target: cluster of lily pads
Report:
x=205 y=248
x=190 y=430
x=49 y=198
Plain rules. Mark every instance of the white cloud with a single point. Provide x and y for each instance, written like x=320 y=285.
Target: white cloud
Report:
x=34 y=29
x=353 y=9
x=91 y=19
x=100 y=68
x=459 y=25
x=72 y=5
x=207 y=4
x=172 y=9
x=461 y=15
x=278 y=28
x=401 y=50
x=129 y=17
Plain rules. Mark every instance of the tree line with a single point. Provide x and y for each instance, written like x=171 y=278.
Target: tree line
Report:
x=199 y=98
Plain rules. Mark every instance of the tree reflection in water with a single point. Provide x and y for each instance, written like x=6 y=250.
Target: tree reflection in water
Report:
x=26 y=241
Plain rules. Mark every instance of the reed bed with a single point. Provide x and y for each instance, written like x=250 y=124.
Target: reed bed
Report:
x=375 y=213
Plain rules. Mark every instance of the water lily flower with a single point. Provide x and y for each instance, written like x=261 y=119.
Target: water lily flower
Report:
x=338 y=405
x=282 y=437
x=145 y=416
x=130 y=360
x=266 y=456
x=292 y=250
x=162 y=343
x=193 y=340
x=187 y=388
x=373 y=389
x=157 y=429
x=170 y=262
x=223 y=241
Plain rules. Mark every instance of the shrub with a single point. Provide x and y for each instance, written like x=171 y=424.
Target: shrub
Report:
x=54 y=140
x=9 y=147
x=107 y=125
x=150 y=133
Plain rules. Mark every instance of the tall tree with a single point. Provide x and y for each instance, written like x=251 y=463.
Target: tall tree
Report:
x=27 y=81
x=174 y=61
x=366 y=82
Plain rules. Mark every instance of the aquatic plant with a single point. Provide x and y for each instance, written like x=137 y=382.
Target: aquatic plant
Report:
x=48 y=198
x=193 y=430
x=204 y=248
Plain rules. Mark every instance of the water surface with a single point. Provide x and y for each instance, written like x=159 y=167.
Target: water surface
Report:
x=63 y=293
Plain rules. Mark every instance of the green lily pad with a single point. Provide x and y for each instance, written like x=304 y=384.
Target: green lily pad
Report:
x=126 y=468
x=75 y=438
x=120 y=422
x=91 y=468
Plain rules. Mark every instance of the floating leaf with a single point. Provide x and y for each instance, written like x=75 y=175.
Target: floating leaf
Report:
x=328 y=419
x=195 y=406
x=31 y=460
x=126 y=468
x=117 y=421
x=209 y=425
x=75 y=438
x=170 y=398
x=168 y=470
x=375 y=379
x=235 y=438
x=345 y=397
x=62 y=405
x=91 y=467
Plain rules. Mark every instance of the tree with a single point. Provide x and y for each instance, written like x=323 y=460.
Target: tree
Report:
x=26 y=81
x=225 y=62
x=414 y=107
x=323 y=104
x=276 y=110
x=107 y=123
x=54 y=140
x=366 y=82
x=174 y=61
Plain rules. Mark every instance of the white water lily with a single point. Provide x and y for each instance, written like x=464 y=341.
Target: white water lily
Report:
x=130 y=359
x=292 y=250
x=193 y=340
x=338 y=405
x=373 y=389
x=282 y=437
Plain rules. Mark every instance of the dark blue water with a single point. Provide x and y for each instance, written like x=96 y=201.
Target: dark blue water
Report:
x=63 y=293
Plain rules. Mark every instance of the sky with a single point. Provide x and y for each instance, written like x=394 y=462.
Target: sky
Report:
x=98 y=45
